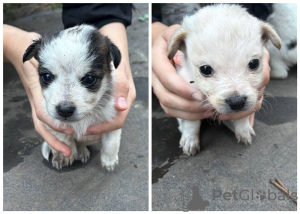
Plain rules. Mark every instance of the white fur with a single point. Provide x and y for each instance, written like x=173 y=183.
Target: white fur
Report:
x=66 y=57
x=284 y=21
x=227 y=38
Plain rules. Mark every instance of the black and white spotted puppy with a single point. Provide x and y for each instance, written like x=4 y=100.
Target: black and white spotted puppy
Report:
x=76 y=69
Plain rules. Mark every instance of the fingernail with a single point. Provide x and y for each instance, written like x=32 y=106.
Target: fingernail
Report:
x=207 y=107
x=122 y=102
x=198 y=96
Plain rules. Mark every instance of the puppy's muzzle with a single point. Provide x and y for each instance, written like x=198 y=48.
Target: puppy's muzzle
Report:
x=236 y=103
x=65 y=109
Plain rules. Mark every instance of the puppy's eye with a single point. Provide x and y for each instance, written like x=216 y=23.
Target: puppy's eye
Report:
x=206 y=70
x=88 y=80
x=253 y=64
x=47 y=78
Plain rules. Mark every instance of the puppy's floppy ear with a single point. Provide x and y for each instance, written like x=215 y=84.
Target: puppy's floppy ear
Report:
x=177 y=42
x=268 y=33
x=32 y=50
x=115 y=54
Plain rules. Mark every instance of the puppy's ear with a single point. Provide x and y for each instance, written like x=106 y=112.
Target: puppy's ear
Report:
x=268 y=33
x=32 y=50
x=177 y=43
x=115 y=54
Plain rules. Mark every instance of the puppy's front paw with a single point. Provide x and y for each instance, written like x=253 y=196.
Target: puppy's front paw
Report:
x=244 y=134
x=59 y=160
x=190 y=145
x=83 y=154
x=109 y=161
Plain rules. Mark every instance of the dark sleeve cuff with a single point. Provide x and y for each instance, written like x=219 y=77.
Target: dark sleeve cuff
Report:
x=96 y=14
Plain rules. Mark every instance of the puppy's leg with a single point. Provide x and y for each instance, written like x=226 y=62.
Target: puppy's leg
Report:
x=189 y=141
x=83 y=153
x=58 y=159
x=110 y=148
x=242 y=129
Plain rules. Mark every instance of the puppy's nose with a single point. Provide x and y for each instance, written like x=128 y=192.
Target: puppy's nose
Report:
x=65 y=109
x=236 y=103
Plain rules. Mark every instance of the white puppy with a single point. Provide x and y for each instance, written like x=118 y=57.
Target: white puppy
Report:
x=222 y=55
x=76 y=69
x=284 y=21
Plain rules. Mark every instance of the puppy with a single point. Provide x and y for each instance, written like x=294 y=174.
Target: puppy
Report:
x=222 y=53
x=284 y=21
x=76 y=69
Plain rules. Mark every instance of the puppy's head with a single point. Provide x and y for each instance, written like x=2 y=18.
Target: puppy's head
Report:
x=223 y=46
x=75 y=69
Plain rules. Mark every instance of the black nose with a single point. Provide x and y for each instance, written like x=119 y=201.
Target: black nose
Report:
x=65 y=109
x=236 y=103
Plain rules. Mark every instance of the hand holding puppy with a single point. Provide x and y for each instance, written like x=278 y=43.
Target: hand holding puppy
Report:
x=124 y=87
x=177 y=97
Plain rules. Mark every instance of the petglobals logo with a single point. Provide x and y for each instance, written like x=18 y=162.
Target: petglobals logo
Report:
x=252 y=194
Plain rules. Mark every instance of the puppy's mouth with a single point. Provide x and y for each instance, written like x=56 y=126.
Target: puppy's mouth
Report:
x=67 y=119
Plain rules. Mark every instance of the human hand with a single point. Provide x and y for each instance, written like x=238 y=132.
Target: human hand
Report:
x=124 y=96
x=177 y=97
x=124 y=90
x=17 y=42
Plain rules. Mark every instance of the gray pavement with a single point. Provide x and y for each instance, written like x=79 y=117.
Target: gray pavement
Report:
x=201 y=182
x=31 y=183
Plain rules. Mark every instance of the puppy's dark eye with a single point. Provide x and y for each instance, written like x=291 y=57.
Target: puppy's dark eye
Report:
x=88 y=80
x=47 y=78
x=253 y=64
x=206 y=70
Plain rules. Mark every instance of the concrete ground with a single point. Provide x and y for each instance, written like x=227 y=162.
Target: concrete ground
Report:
x=226 y=175
x=31 y=183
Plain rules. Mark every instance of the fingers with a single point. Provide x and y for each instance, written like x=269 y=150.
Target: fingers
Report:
x=251 y=118
x=121 y=89
x=175 y=102
x=42 y=116
x=117 y=123
x=165 y=71
x=49 y=138
x=187 y=115
x=266 y=68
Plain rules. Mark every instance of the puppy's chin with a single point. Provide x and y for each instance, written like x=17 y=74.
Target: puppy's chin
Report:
x=72 y=119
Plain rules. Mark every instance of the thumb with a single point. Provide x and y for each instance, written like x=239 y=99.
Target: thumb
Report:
x=121 y=89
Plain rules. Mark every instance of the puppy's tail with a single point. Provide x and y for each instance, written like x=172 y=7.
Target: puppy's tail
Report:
x=46 y=150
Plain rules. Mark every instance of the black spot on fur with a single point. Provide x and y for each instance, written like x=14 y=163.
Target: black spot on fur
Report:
x=103 y=51
x=292 y=45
